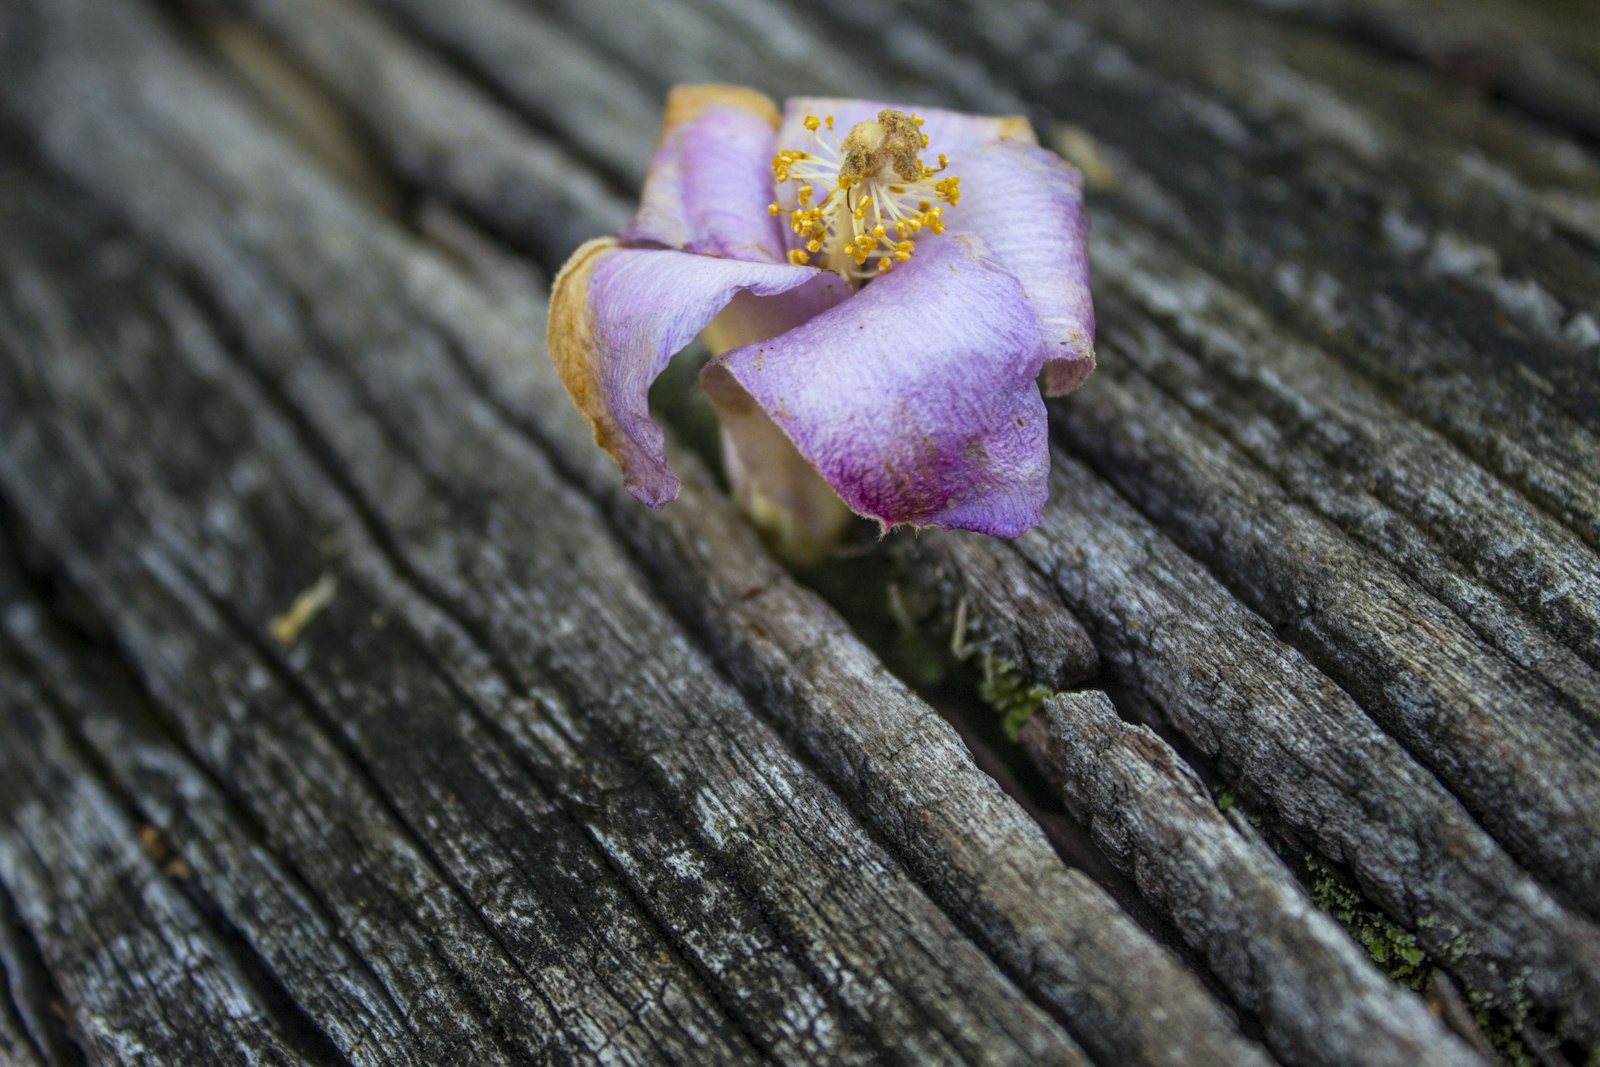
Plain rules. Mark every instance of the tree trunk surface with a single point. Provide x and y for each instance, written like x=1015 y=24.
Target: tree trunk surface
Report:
x=352 y=712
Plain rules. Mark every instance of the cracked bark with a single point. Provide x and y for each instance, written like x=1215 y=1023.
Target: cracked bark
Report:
x=555 y=776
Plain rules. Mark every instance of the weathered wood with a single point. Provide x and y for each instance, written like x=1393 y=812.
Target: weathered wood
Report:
x=994 y=605
x=495 y=903
x=1520 y=581
x=105 y=912
x=558 y=77
x=1543 y=59
x=1235 y=902
x=574 y=779
x=1174 y=672
x=189 y=822
x=1530 y=773
x=34 y=1030
x=333 y=424
x=1186 y=651
x=436 y=132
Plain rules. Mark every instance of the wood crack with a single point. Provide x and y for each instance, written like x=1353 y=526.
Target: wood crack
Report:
x=34 y=999
x=622 y=788
x=482 y=640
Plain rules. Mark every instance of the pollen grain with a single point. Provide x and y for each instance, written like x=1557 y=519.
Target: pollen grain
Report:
x=877 y=195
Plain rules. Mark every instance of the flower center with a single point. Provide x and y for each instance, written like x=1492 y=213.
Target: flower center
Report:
x=859 y=204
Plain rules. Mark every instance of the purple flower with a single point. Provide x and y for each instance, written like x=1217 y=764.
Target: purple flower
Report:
x=879 y=321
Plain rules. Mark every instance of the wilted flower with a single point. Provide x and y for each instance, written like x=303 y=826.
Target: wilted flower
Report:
x=877 y=320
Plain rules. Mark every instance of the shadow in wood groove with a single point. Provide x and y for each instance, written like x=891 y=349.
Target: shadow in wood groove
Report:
x=506 y=52
x=34 y=999
x=1520 y=768
x=501 y=513
x=1554 y=89
x=300 y=1031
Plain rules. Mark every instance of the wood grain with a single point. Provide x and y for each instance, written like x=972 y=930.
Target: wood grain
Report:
x=540 y=775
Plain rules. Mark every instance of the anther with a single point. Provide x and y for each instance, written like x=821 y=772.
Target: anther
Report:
x=878 y=170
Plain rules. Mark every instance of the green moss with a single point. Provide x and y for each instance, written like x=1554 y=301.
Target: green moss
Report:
x=1391 y=946
x=1004 y=689
x=1396 y=950
x=1501 y=1034
x=1228 y=801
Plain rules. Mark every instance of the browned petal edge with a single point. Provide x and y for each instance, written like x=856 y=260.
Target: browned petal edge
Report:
x=1015 y=128
x=571 y=340
x=1004 y=127
x=1062 y=376
x=685 y=103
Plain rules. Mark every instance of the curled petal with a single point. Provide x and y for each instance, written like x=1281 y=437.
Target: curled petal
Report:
x=950 y=132
x=796 y=511
x=780 y=492
x=749 y=318
x=1025 y=205
x=710 y=179
x=618 y=315
x=915 y=399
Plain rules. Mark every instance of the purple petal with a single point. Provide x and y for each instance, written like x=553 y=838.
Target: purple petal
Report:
x=951 y=132
x=777 y=488
x=618 y=315
x=1026 y=207
x=710 y=180
x=915 y=398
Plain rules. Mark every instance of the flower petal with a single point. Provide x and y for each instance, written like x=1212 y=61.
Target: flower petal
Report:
x=915 y=399
x=951 y=132
x=618 y=315
x=710 y=180
x=777 y=488
x=749 y=318
x=780 y=492
x=1026 y=206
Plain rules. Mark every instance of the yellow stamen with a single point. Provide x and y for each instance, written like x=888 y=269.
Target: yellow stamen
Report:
x=891 y=194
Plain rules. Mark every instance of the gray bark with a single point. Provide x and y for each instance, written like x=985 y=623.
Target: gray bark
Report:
x=1312 y=988
x=547 y=776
